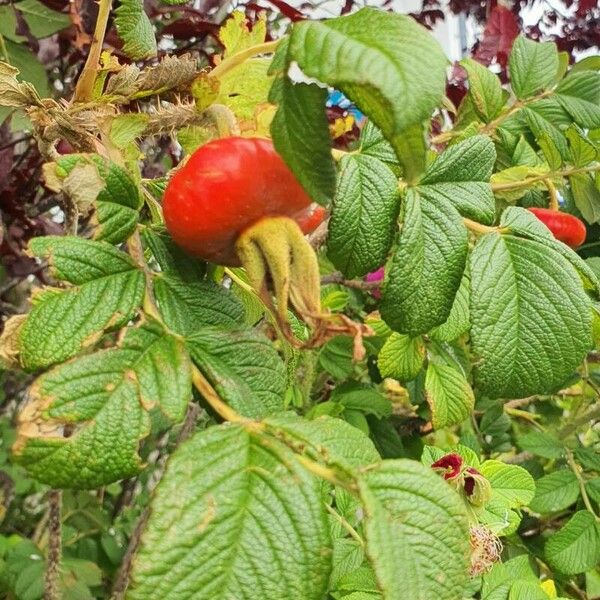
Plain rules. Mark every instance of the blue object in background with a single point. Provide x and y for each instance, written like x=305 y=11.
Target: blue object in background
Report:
x=336 y=98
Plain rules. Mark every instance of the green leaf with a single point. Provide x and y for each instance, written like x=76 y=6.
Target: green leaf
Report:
x=30 y=68
x=460 y=176
x=459 y=319
x=172 y=260
x=527 y=590
x=589 y=63
x=485 y=90
x=586 y=196
x=550 y=139
x=372 y=143
x=135 y=29
x=348 y=555
x=234 y=516
x=386 y=63
x=511 y=484
x=187 y=306
x=583 y=151
x=401 y=357
x=83 y=424
x=532 y=66
x=106 y=293
x=386 y=438
x=301 y=135
x=335 y=357
x=363 y=398
x=361 y=579
x=542 y=444
x=363 y=218
x=245 y=86
x=497 y=582
x=126 y=128
x=244 y=368
x=531 y=318
x=428 y=547
x=555 y=491
x=41 y=20
x=117 y=204
x=524 y=154
x=589 y=458
x=576 y=547
x=426 y=268
x=448 y=394
x=579 y=95
x=236 y=36
x=326 y=438
x=522 y=222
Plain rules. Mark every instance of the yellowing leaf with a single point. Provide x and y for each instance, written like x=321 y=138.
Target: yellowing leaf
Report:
x=549 y=587
x=245 y=86
x=236 y=36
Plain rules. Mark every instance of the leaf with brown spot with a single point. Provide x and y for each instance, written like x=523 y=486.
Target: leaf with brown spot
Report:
x=82 y=425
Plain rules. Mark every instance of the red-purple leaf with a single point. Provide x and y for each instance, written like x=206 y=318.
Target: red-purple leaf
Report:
x=498 y=36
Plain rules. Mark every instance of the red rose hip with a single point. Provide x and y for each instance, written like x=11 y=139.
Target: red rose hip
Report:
x=565 y=227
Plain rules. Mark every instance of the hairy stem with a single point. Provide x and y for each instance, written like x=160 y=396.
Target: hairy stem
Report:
x=85 y=84
x=51 y=576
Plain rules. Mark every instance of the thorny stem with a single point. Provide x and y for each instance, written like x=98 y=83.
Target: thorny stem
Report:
x=85 y=84
x=239 y=57
x=577 y=472
x=51 y=576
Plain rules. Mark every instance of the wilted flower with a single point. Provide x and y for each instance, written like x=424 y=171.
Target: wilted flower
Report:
x=486 y=549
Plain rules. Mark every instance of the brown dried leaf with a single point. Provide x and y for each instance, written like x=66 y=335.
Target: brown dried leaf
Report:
x=82 y=185
x=9 y=342
x=14 y=93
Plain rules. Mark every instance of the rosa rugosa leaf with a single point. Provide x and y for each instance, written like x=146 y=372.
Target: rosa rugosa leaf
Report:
x=427 y=266
x=82 y=426
x=235 y=516
x=416 y=525
x=530 y=316
x=243 y=366
x=372 y=56
x=106 y=292
x=363 y=217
